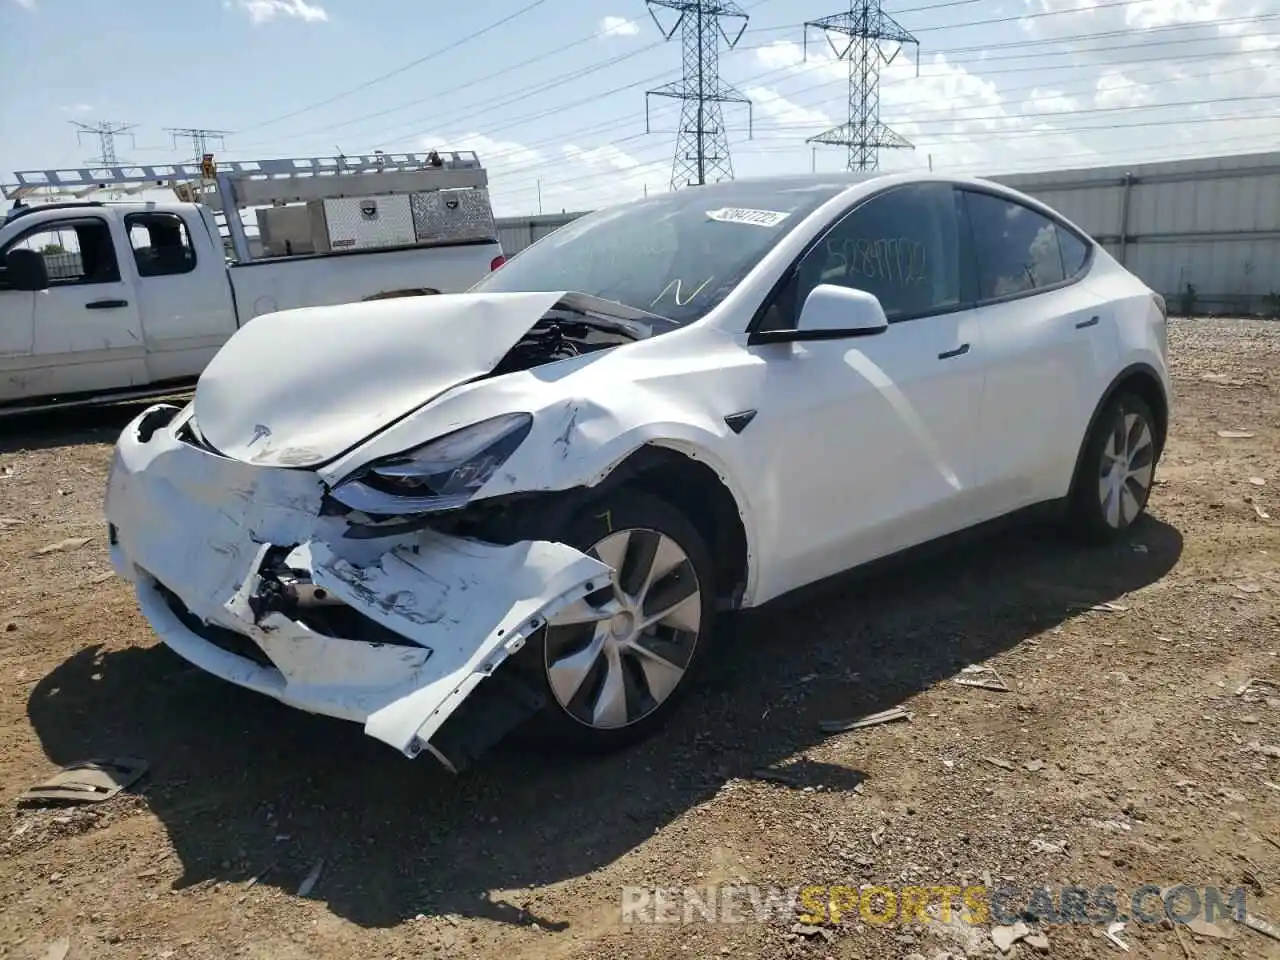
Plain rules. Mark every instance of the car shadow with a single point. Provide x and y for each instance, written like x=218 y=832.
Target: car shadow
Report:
x=73 y=426
x=243 y=784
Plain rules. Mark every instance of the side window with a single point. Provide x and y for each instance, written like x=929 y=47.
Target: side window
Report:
x=74 y=252
x=1074 y=252
x=161 y=244
x=903 y=246
x=1017 y=249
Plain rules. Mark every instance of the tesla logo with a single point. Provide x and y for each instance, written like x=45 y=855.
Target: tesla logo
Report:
x=259 y=432
x=369 y=208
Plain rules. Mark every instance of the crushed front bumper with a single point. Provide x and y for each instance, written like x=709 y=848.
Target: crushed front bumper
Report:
x=199 y=535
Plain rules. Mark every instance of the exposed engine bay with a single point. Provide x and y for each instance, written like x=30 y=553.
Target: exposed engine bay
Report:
x=563 y=334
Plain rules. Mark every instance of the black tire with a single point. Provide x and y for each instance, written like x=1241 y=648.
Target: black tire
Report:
x=622 y=509
x=1093 y=518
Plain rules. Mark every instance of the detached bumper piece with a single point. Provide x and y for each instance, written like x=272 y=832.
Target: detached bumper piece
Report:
x=238 y=572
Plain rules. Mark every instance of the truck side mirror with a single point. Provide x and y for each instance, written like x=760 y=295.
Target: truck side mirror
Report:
x=25 y=270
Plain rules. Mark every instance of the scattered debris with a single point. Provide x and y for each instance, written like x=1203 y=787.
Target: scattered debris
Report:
x=1248 y=587
x=993 y=682
x=1048 y=846
x=774 y=775
x=1138 y=547
x=254 y=880
x=1033 y=766
x=63 y=546
x=1109 y=607
x=1113 y=932
x=1006 y=937
x=1223 y=379
x=1037 y=941
x=1252 y=682
x=875 y=719
x=997 y=762
x=1267 y=751
x=102 y=577
x=1258 y=481
x=809 y=931
x=11 y=522
x=309 y=883
x=877 y=835
x=1258 y=925
x=59 y=949
x=90 y=781
x=1262 y=514
x=1235 y=434
x=1204 y=928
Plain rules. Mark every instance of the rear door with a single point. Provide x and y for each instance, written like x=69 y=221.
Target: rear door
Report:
x=184 y=300
x=86 y=333
x=1048 y=341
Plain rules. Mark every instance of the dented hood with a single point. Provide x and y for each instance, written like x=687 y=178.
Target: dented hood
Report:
x=299 y=387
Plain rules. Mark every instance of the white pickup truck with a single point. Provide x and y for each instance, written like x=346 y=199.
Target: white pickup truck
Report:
x=122 y=300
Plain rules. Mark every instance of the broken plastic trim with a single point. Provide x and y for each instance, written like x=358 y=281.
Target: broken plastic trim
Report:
x=450 y=469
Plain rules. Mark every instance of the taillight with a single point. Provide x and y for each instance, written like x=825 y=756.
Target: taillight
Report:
x=496 y=262
x=1161 y=305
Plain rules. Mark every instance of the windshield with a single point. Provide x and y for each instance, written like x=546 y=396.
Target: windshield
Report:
x=676 y=255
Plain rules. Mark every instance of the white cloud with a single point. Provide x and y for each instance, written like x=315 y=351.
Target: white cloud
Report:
x=1049 y=101
x=774 y=106
x=262 y=11
x=26 y=4
x=76 y=108
x=1114 y=89
x=618 y=27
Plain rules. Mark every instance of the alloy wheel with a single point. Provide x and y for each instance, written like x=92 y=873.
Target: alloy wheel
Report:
x=1126 y=471
x=615 y=656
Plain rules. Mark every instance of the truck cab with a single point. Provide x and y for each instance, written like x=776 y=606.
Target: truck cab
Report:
x=123 y=300
x=87 y=288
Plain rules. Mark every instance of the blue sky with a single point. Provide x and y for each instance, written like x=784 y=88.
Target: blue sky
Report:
x=1059 y=83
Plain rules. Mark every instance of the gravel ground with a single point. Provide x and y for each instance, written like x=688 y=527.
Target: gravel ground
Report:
x=1121 y=754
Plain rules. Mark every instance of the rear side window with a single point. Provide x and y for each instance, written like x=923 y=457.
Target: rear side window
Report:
x=1075 y=252
x=1018 y=250
x=161 y=244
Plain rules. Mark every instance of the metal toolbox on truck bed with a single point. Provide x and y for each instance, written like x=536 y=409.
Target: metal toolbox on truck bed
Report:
x=453 y=215
x=362 y=223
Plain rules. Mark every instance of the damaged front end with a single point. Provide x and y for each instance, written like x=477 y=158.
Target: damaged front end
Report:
x=263 y=576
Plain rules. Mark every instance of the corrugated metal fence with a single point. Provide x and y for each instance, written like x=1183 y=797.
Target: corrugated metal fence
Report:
x=1205 y=233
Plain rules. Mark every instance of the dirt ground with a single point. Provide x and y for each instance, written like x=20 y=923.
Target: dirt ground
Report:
x=1124 y=754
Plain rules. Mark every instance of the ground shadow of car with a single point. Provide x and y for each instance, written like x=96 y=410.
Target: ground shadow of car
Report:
x=241 y=782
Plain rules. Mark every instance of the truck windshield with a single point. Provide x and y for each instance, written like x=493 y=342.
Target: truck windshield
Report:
x=676 y=255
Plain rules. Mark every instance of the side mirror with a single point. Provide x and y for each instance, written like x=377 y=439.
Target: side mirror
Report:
x=25 y=270
x=831 y=312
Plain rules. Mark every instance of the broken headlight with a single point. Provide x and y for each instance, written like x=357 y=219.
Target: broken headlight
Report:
x=441 y=475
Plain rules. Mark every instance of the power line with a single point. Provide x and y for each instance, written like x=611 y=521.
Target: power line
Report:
x=702 y=149
x=528 y=8
x=567 y=78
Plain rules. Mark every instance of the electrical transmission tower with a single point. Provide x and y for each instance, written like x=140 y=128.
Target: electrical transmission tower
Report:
x=702 y=146
x=199 y=138
x=860 y=37
x=106 y=132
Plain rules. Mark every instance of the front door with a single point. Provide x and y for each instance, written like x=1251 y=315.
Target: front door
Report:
x=86 y=331
x=871 y=439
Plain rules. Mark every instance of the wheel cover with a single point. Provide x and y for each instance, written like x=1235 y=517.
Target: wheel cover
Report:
x=615 y=656
x=1126 y=471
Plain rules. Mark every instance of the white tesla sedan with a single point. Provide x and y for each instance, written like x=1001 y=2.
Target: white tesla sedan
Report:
x=444 y=516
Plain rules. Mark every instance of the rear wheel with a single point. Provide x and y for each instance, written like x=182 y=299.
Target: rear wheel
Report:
x=614 y=665
x=1117 y=469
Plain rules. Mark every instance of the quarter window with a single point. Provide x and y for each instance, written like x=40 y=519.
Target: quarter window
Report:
x=1017 y=249
x=74 y=252
x=1075 y=252
x=902 y=246
x=161 y=244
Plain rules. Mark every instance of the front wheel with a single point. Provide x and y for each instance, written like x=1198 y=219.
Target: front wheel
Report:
x=1117 y=470
x=614 y=665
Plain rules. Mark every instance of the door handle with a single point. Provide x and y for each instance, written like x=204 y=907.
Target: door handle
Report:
x=105 y=304
x=959 y=351
x=1091 y=322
